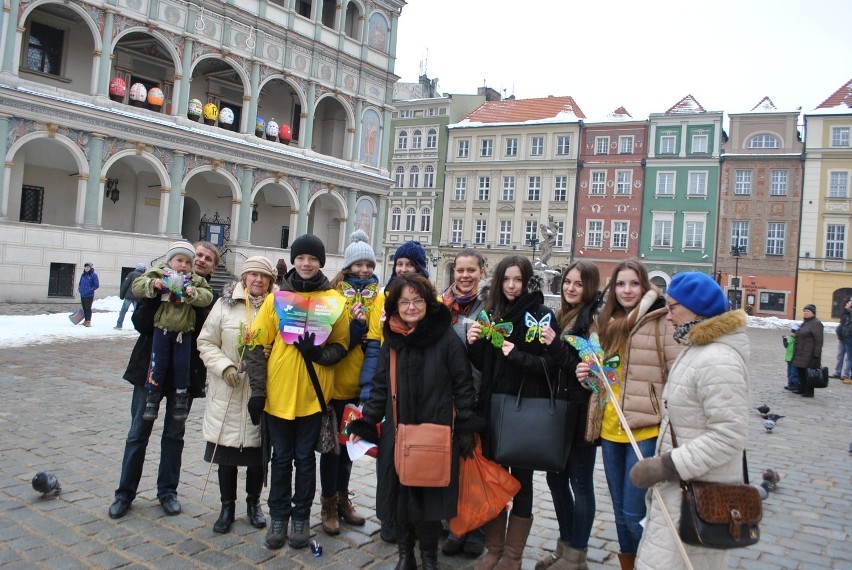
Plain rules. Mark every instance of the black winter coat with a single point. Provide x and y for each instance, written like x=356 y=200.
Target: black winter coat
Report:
x=140 y=357
x=433 y=373
x=126 y=289
x=808 y=350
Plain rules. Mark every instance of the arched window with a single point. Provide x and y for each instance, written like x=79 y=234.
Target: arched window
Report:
x=764 y=141
x=426 y=219
x=417 y=139
x=396 y=218
x=429 y=176
x=351 y=26
x=414 y=177
x=399 y=176
x=402 y=140
x=838 y=301
x=410 y=216
x=431 y=138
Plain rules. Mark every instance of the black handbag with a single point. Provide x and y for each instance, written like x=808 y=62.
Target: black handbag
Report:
x=818 y=377
x=532 y=433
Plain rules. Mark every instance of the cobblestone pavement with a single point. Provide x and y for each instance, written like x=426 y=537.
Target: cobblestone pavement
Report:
x=66 y=410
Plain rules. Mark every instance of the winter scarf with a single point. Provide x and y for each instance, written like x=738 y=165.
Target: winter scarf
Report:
x=457 y=303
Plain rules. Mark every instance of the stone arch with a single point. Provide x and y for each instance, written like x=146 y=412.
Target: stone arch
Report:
x=326 y=212
x=270 y=103
x=222 y=81
x=87 y=19
x=164 y=42
x=215 y=190
x=277 y=213
x=158 y=166
x=140 y=177
x=655 y=277
x=79 y=157
x=333 y=121
x=353 y=27
x=235 y=65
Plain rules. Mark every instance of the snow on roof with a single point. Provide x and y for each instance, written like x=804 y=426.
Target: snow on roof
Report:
x=523 y=111
x=840 y=99
x=686 y=105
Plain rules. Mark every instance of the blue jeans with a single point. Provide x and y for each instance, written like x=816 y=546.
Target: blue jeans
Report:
x=844 y=353
x=123 y=311
x=573 y=492
x=165 y=350
x=628 y=501
x=293 y=443
x=335 y=469
x=171 y=449
x=792 y=377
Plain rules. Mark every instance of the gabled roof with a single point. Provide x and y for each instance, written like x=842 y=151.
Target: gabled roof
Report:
x=841 y=97
x=526 y=110
x=686 y=105
x=765 y=104
x=621 y=112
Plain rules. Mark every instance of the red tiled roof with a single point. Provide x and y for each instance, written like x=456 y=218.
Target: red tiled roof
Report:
x=765 y=104
x=686 y=105
x=842 y=96
x=621 y=111
x=521 y=110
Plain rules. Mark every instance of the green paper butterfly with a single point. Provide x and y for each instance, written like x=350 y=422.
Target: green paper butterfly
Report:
x=248 y=339
x=495 y=332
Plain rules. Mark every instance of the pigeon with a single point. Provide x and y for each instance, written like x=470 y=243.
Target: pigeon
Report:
x=46 y=484
x=763 y=409
x=771 y=478
x=773 y=417
x=764 y=492
x=768 y=425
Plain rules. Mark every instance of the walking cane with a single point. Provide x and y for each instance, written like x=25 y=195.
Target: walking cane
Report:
x=216 y=446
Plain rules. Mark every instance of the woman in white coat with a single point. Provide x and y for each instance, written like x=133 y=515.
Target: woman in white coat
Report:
x=226 y=420
x=707 y=405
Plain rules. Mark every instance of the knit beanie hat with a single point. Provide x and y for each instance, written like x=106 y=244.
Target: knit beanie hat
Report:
x=308 y=244
x=699 y=293
x=413 y=252
x=359 y=249
x=259 y=264
x=181 y=247
x=810 y=307
x=140 y=267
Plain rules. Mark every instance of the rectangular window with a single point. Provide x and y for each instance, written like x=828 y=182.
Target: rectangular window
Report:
x=740 y=230
x=560 y=234
x=536 y=146
x=560 y=189
x=463 y=149
x=667 y=144
x=697 y=184
x=479 y=232
x=619 y=235
x=594 y=233
x=456 y=231
x=663 y=227
x=623 y=181
x=512 y=147
x=775 y=302
x=403 y=113
x=840 y=136
x=563 y=145
x=601 y=145
x=838 y=185
x=625 y=145
x=60 y=281
x=534 y=189
x=665 y=183
x=779 y=183
x=484 y=188
x=742 y=186
x=486 y=147
x=775 y=236
x=530 y=231
x=835 y=238
x=44 y=49
x=699 y=144
x=693 y=233
x=598 y=182
x=461 y=187
x=508 y=193
x=505 y=237
x=32 y=203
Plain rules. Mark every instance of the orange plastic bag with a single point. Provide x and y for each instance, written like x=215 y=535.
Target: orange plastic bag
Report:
x=484 y=489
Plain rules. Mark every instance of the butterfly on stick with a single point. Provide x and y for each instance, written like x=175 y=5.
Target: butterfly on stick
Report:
x=592 y=354
x=495 y=332
x=365 y=296
x=534 y=326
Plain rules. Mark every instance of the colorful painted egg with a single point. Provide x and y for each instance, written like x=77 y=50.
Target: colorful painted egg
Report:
x=211 y=111
x=194 y=108
x=138 y=92
x=226 y=116
x=156 y=97
x=272 y=128
x=117 y=87
x=259 y=126
x=285 y=133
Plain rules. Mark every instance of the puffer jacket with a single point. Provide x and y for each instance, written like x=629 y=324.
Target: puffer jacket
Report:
x=88 y=284
x=226 y=411
x=707 y=404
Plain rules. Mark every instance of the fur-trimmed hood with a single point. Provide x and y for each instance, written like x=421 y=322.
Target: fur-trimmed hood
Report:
x=714 y=328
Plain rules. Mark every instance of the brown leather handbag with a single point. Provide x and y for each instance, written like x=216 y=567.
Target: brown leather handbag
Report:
x=423 y=453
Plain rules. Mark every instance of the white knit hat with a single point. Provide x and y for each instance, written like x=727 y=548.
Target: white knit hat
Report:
x=359 y=249
x=181 y=247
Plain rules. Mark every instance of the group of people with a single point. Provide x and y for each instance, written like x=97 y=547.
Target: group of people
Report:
x=409 y=354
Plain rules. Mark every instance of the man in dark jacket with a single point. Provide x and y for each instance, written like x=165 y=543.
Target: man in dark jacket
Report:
x=844 y=338
x=125 y=293
x=808 y=351
x=171 y=443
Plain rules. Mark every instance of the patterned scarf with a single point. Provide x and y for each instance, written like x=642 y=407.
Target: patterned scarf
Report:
x=681 y=334
x=457 y=303
x=399 y=326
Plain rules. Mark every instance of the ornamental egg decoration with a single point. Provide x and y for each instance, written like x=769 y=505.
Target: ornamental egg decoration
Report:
x=285 y=133
x=117 y=87
x=211 y=112
x=272 y=128
x=155 y=96
x=226 y=116
x=194 y=108
x=138 y=92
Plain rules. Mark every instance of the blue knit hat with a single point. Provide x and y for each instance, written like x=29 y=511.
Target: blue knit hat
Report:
x=413 y=252
x=699 y=293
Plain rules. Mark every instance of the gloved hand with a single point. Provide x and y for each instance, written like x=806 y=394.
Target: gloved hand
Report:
x=231 y=376
x=255 y=407
x=466 y=444
x=267 y=350
x=305 y=344
x=653 y=470
x=364 y=430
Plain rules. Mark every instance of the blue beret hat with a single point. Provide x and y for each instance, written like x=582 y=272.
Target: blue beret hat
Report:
x=699 y=293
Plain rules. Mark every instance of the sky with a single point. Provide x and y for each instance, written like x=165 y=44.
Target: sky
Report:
x=645 y=56
x=35 y=329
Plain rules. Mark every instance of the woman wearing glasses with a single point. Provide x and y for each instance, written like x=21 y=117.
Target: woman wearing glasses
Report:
x=433 y=375
x=640 y=346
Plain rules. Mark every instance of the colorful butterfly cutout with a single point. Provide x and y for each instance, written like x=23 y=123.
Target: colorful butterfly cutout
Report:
x=534 y=327
x=495 y=332
x=591 y=348
x=247 y=340
x=365 y=296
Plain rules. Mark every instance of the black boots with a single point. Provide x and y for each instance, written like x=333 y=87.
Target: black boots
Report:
x=255 y=513
x=226 y=518
x=405 y=544
x=427 y=534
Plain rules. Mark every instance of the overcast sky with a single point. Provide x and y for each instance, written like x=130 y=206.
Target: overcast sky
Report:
x=646 y=56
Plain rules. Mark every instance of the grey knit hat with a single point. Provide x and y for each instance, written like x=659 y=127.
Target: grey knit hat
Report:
x=359 y=249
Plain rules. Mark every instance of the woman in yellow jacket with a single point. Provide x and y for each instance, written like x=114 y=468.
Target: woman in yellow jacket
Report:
x=282 y=392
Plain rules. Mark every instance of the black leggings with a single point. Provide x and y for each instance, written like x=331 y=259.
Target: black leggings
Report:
x=87 y=307
x=228 y=482
x=523 y=501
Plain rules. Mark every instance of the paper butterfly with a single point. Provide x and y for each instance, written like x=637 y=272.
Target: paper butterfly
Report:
x=495 y=332
x=534 y=327
x=365 y=296
x=591 y=347
x=247 y=340
x=176 y=283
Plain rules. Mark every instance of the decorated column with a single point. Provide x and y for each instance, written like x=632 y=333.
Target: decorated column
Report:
x=171 y=209
x=182 y=98
x=356 y=147
x=12 y=36
x=106 y=54
x=92 y=207
x=304 y=197
x=7 y=168
x=351 y=197
x=308 y=135
x=244 y=219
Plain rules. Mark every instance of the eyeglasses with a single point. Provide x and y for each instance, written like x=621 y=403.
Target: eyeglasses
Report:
x=672 y=305
x=416 y=303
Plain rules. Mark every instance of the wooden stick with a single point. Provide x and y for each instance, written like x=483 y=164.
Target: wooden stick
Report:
x=216 y=446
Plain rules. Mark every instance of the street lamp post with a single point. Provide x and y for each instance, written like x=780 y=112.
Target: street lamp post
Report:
x=533 y=242
x=736 y=251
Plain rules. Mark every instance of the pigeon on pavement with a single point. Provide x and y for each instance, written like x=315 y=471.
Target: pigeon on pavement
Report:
x=768 y=425
x=763 y=409
x=771 y=478
x=46 y=484
x=773 y=417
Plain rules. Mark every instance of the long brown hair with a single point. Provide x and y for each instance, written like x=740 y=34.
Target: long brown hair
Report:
x=613 y=326
x=496 y=303
x=591 y=278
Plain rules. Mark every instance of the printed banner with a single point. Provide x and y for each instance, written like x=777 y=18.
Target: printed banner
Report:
x=298 y=315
